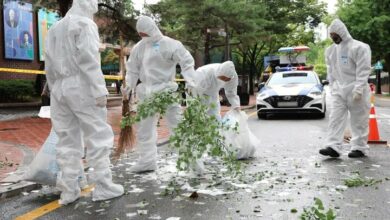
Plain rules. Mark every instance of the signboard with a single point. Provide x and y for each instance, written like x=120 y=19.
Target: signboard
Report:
x=378 y=66
x=18 y=30
x=45 y=20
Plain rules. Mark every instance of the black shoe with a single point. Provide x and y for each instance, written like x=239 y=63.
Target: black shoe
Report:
x=356 y=154
x=329 y=152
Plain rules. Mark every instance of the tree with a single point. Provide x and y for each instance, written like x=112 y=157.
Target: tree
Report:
x=369 y=21
x=254 y=27
x=288 y=23
x=316 y=57
x=118 y=15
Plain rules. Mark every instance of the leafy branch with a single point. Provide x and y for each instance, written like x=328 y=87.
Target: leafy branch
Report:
x=317 y=212
x=199 y=133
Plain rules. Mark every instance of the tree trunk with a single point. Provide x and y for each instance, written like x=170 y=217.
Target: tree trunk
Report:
x=64 y=6
x=207 y=48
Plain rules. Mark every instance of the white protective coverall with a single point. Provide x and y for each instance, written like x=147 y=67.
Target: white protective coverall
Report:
x=153 y=61
x=348 y=66
x=208 y=84
x=79 y=97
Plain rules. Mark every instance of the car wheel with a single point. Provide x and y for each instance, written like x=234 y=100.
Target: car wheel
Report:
x=262 y=115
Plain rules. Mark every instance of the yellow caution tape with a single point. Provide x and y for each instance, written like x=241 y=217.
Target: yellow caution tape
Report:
x=25 y=71
x=11 y=70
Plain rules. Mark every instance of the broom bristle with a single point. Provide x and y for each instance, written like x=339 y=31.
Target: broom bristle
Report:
x=127 y=134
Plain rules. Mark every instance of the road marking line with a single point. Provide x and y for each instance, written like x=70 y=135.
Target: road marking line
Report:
x=43 y=210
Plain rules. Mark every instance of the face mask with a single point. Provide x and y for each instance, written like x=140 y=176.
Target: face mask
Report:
x=336 y=38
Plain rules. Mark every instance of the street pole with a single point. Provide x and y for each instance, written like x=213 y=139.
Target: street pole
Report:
x=378 y=82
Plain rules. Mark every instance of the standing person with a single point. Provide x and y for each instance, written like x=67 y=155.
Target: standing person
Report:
x=349 y=65
x=153 y=61
x=78 y=103
x=211 y=78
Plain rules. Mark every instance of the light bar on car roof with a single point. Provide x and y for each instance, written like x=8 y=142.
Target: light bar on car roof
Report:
x=294 y=49
x=292 y=68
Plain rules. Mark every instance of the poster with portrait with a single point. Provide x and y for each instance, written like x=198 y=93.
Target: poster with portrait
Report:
x=45 y=20
x=18 y=30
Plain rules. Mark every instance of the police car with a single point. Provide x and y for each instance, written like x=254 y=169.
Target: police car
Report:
x=292 y=90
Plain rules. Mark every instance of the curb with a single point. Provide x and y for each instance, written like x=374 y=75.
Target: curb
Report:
x=21 y=105
x=17 y=188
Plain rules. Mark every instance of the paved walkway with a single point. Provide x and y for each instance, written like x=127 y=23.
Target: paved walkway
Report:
x=22 y=138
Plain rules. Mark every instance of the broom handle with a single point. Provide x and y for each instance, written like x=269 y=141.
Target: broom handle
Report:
x=122 y=65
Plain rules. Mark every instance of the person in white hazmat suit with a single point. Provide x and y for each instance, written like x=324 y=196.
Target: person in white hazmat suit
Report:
x=153 y=61
x=78 y=103
x=209 y=79
x=349 y=65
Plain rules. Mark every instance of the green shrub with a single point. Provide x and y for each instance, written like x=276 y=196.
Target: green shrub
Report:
x=16 y=90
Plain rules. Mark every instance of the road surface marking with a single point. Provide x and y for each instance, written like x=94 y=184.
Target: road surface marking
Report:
x=43 y=210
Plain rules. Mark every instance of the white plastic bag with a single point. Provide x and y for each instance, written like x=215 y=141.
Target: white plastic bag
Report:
x=243 y=141
x=44 y=112
x=44 y=168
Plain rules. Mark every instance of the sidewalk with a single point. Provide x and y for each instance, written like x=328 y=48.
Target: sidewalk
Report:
x=382 y=100
x=21 y=139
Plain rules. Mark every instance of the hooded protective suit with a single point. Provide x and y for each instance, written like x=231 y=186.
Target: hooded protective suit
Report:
x=78 y=95
x=348 y=66
x=208 y=84
x=153 y=61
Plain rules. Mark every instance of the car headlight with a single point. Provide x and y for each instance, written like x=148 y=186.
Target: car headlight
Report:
x=315 y=94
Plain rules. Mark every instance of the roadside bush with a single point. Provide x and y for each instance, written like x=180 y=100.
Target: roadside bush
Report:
x=16 y=90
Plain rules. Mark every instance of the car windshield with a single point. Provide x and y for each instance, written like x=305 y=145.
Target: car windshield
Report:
x=292 y=78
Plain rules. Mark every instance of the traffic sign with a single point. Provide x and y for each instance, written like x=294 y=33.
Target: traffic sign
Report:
x=378 y=66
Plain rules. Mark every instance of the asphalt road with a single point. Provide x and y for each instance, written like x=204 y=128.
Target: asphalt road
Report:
x=286 y=175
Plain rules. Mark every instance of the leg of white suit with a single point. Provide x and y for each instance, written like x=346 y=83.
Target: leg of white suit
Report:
x=99 y=139
x=69 y=118
x=359 y=111
x=337 y=123
x=68 y=150
x=173 y=116
x=146 y=145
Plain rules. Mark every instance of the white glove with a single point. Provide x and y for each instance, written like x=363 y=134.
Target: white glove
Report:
x=356 y=96
x=126 y=91
x=191 y=88
x=101 y=101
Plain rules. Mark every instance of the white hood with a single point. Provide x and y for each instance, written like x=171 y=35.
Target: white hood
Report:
x=148 y=26
x=338 y=27
x=85 y=8
x=226 y=69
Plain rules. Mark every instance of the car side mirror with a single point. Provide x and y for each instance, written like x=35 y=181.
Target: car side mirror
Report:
x=261 y=85
x=325 y=82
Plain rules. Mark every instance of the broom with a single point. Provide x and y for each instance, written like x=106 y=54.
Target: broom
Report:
x=127 y=134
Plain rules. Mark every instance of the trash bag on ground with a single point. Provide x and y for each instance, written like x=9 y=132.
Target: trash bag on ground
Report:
x=44 y=168
x=243 y=141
